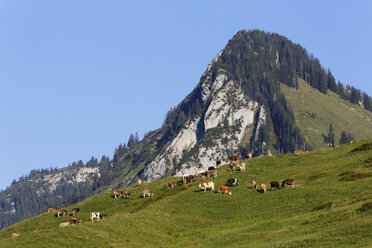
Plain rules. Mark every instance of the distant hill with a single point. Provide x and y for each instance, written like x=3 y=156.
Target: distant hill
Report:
x=331 y=207
x=262 y=94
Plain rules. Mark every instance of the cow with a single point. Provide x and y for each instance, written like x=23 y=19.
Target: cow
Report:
x=52 y=210
x=75 y=211
x=254 y=184
x=140 y=181
x=96 y=215
x=147 y=192
x=126 y=195
x=172 y=185
x=274 y=184
x=225 y=189
x=207 y=185
x=211 y=168
x=241 y=166
x=232 y=182
x=188 y=179
x=331 y=145
x=203 y=175
x=61 y=212
x=73 y=221
x=15 y=235
x=299 y=151
x=263 y=188
x=118 y=193
x=232 y=167
x=234 y=158
x=212 y=173
x=289 y=183
x=248 y=155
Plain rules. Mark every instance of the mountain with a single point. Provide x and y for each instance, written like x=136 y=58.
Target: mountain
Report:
x=261 y=94
x=331 y=207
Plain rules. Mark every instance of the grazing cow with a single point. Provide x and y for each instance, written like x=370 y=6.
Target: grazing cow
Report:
x=207 y=185
x=15 y=235
x=241 y=166
x=289 y=183
x=212 y=173
x=61 y=212
x=331 y=145
x=147 y=192
x=96 y=215
x=52 y=210
x=188 y=179
x=218 y=162
x=172 y=185
x=126 y=195
x=263 y=188
x=211 y=168
x=234 y=158
x=274 y=184
x=203 y=175
x=118 y=193
x=254 y=184
x=225 y=189
x=140 y=181
x=75 y=211
x=248 y=155
x=232 y=182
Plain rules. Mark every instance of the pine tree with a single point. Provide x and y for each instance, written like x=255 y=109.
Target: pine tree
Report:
x=131 y=142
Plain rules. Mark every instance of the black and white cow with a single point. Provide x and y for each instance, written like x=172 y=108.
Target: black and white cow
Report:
x=232 y=182
x=96 y=215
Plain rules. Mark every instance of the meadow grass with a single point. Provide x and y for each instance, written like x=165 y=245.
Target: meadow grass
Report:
x=331 y=207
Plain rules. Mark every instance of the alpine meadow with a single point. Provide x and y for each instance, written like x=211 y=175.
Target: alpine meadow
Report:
x=265 y=109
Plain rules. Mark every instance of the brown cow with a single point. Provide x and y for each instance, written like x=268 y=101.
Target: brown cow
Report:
x=331 y=145
x=254 y=184
x=61 y=212
x=248 y=155
x=172 y=185
x=263 y=188
x=232 y=167
x=224 y=188
x=147 y=192
x=118 y=193
x=188 y=179
x=289 y=183
x=212 y=173
x=274 y=184
x=52 y=210
x=234 y=158
x=126 y=195
x=75 y=211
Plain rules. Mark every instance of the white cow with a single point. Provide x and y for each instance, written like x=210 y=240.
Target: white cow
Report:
x=96 y=215
x=207 y=185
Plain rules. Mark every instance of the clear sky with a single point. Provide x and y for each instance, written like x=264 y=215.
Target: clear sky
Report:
x=77 y=77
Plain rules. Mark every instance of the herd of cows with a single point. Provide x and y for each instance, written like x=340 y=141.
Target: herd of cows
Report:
x=211 y=173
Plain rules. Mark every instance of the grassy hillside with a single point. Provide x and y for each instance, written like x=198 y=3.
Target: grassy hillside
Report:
x=186 y=217
x=314 y=111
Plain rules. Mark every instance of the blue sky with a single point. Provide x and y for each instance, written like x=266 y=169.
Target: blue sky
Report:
x=77 y=77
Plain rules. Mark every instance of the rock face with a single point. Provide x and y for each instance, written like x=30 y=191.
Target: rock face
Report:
x=230 y=117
